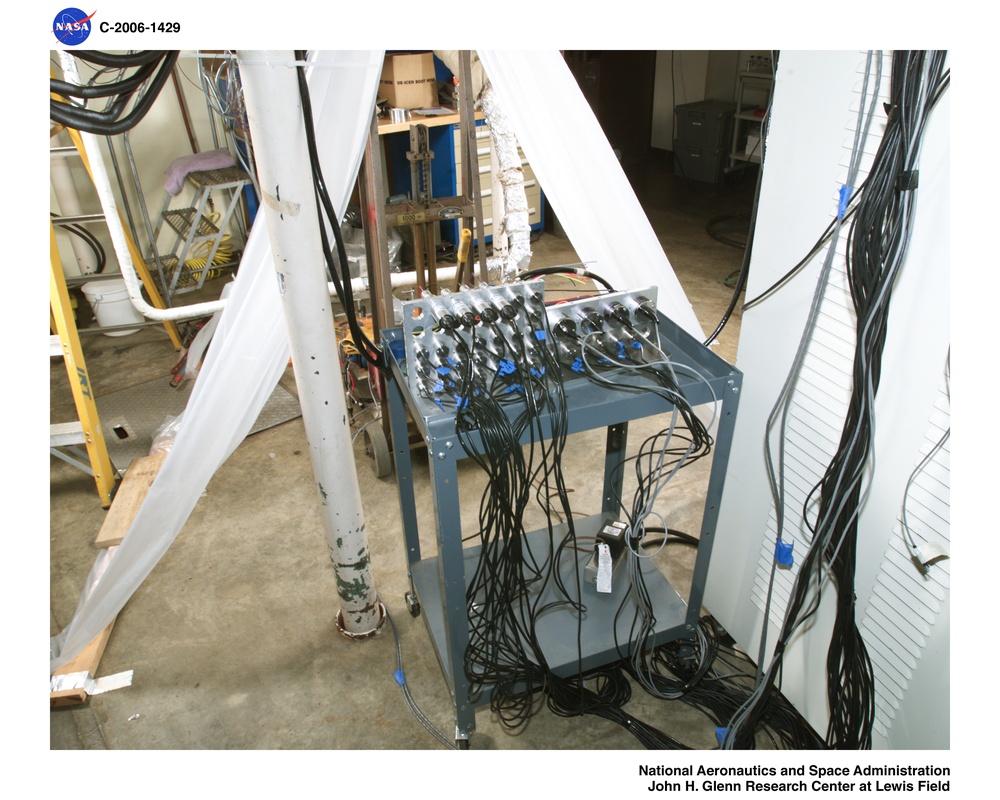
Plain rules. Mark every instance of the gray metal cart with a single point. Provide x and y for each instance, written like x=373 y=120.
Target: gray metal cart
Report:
x=438 y=582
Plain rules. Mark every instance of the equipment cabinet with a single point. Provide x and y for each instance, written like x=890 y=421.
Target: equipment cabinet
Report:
x=438 y=581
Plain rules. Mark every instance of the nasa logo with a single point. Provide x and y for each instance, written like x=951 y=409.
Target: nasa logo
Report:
x=72 y=26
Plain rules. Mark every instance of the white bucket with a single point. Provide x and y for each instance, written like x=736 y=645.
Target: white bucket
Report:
x=112 y=306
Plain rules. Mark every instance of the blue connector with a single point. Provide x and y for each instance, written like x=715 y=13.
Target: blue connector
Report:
x=845 y=197
x=400 y=677
x=783 y=553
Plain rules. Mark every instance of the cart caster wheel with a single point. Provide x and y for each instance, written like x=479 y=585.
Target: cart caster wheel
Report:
x=463 y=744
x=412 y=604
x=377 y=450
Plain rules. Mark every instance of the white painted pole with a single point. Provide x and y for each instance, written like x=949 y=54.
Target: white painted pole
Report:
x=274 y=111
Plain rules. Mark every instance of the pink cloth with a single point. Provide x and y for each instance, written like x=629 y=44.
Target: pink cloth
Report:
x=180 y=167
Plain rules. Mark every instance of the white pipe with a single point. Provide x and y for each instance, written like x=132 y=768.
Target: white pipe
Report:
x=61 y=177
x=275 y=114
x=399 y=279
x=110 y=208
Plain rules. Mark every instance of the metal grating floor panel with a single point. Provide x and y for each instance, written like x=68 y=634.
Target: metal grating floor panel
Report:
x=131 y=417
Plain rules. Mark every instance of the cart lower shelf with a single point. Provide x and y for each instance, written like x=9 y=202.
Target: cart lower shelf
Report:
x=570 y=641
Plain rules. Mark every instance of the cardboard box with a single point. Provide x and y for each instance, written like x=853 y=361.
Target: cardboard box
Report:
x=408 y=80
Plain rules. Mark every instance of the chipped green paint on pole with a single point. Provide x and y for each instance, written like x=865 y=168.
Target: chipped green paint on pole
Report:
x=285 y=175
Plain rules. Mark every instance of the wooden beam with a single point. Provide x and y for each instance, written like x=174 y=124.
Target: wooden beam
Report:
x=87 y=661
x=131 y=493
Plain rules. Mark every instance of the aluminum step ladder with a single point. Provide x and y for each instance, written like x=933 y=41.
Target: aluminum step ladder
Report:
x=197 y=249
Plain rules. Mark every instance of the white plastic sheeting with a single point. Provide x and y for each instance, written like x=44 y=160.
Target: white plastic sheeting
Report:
x=581 y=176
x=248 y=355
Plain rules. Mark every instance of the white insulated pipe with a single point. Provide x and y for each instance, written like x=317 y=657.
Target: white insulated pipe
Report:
x=274 y=111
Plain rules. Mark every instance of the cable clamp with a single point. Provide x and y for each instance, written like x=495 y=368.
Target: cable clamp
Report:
x=907 y=181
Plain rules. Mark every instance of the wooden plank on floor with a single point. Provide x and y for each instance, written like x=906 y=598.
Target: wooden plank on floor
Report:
x=87 y=661
x=131 y=492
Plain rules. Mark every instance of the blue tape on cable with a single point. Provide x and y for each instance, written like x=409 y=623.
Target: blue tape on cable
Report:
x=506 y=367
x=400 y=677
x=721 y=734
x=438 y=387
x=636 y=345
x=845 y=196
x=452 y=361
x=783 y=553
x=540 y=335
x=538 y=373
x=443 y=371
x=577 y=365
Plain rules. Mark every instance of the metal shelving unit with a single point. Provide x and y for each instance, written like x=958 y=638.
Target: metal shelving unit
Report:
x=438 y=582
x=750 y=113
x=194 y=230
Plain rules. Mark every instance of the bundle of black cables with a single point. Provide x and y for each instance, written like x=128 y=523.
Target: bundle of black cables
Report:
x=140 y=78
x=717 y=682
x=879 y=235
x=340 y=273
x=505 y=591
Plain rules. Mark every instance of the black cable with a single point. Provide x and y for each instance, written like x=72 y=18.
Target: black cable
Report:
x=741 y=280
x=92 y=242
x=153 y=69
x=342 y=278
x=563 y=270
x=712 y=228
x=817 y=246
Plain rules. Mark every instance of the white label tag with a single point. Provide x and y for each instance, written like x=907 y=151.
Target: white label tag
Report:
x=603 y=568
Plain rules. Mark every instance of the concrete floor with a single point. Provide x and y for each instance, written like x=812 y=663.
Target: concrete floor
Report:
x=232 y=637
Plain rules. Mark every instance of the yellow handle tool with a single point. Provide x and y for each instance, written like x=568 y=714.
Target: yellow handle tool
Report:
x=464 y=245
